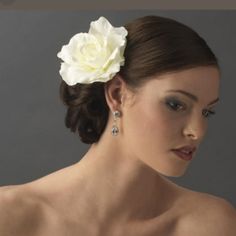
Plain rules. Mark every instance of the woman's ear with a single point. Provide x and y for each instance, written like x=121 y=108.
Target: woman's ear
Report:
x=115 y=92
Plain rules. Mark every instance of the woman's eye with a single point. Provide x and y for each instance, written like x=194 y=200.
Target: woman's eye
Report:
x=208 y=113
x=174 y=105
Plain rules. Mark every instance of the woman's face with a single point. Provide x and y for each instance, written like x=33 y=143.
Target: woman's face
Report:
x=161 y=119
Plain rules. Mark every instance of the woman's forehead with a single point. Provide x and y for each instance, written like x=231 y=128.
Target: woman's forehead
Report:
x=202 y=83
x=200 y=77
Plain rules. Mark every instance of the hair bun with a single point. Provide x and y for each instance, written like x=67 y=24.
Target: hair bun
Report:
x=87 y=111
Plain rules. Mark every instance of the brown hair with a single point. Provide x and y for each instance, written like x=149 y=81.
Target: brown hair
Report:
x=155 y=45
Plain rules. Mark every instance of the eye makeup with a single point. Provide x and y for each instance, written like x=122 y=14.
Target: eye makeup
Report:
x=208 y=113
x=193 y=97
x=176 y=105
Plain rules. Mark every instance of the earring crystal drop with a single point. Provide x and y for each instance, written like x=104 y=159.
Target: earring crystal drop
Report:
x=115 y=129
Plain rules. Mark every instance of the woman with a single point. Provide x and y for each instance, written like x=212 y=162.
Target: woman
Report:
x=141 y=95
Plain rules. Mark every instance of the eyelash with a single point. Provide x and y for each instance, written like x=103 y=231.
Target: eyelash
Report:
x=209 y=112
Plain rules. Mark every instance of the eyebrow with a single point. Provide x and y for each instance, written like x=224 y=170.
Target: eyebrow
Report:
x=193 y=97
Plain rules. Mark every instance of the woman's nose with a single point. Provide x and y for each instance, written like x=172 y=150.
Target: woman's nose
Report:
x=196 y=128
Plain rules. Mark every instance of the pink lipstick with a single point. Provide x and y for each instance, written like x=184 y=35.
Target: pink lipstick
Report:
x=183 y=155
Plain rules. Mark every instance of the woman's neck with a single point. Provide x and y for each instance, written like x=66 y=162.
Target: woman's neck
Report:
x=121 y=185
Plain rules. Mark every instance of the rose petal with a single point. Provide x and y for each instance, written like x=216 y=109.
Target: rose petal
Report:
x=100 y=26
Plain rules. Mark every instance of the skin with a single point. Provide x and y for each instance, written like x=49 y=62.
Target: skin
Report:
x=120 y=185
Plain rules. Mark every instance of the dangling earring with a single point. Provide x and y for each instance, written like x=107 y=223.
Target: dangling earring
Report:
x=115 y=129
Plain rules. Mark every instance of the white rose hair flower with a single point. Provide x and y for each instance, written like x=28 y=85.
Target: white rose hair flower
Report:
x=93 y=56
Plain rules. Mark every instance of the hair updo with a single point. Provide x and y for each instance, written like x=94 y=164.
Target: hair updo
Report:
x=155 y=45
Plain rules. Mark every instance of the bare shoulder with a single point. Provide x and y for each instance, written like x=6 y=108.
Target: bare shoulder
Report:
x=209 y=215
x=19 y=211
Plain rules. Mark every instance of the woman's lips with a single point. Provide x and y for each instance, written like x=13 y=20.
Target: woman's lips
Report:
x=183 y=155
